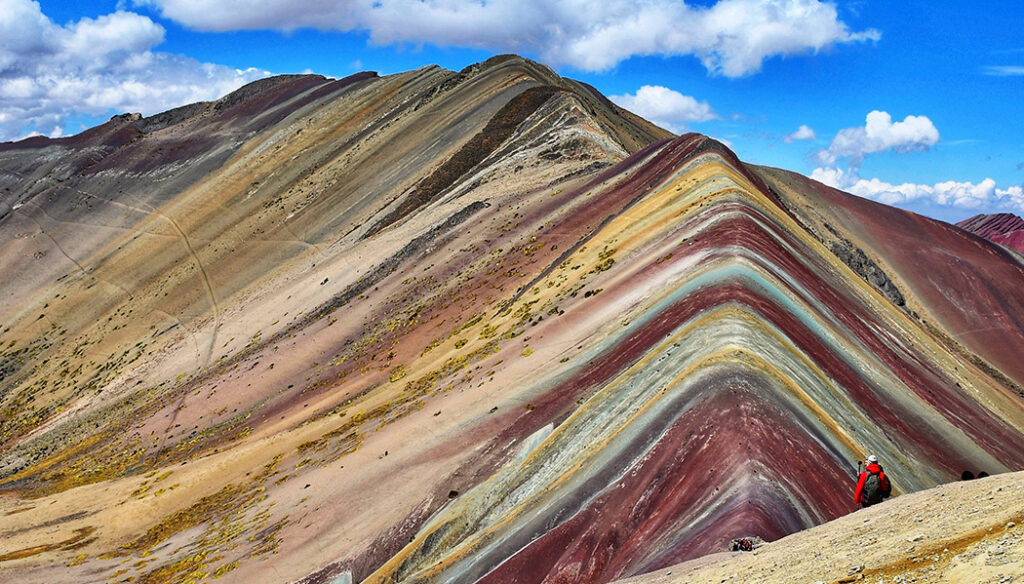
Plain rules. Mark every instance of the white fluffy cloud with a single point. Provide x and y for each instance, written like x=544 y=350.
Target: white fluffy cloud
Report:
x=879 y=134
x=731 y=37
x=804 y=132
x=49 y=72
x=665 y=107
x=961 y=195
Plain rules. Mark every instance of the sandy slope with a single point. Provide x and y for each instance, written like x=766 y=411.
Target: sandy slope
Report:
x=970 y=532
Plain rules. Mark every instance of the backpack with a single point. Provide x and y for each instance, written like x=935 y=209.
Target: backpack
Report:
x=873 y=492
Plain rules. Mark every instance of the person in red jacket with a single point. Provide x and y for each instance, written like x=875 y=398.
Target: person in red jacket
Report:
x=872 y=485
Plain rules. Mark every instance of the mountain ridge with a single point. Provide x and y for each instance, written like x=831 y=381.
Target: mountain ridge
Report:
x=438 y=325
x=1003 y=228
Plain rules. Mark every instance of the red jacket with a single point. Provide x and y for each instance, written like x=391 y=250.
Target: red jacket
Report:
x=871 y=468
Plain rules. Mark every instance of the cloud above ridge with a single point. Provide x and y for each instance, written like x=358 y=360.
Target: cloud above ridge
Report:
x=731 y=37
x=50 y=73
x=804 y=132
x=665 y=107
x=965 y=195
x=914 y=133
x=879 y=134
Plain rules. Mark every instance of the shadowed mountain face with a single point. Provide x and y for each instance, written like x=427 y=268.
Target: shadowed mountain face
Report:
x=458 y=327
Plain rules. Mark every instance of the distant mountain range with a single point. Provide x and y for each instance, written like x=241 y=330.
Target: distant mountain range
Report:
x=475 y=326
x=1003 y=228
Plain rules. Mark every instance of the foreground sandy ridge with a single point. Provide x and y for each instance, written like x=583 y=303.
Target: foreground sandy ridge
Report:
x=958 y=532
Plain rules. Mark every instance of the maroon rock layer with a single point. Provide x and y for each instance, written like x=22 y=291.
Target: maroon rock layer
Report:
x=1003 y=228
x=480 y=326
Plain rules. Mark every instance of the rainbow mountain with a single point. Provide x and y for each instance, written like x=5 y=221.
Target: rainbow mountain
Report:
x=476 y=326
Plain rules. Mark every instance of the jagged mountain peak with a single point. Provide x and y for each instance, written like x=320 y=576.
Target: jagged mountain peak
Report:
x=464 y=326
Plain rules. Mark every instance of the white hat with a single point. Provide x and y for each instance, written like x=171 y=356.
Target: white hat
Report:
x=872 y=459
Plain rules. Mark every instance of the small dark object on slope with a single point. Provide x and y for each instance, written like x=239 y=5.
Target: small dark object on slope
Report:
x=745 y=544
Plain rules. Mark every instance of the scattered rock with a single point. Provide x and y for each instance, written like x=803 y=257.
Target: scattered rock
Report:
x=866 y=268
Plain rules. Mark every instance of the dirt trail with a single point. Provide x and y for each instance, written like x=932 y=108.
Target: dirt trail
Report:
x=969 y=532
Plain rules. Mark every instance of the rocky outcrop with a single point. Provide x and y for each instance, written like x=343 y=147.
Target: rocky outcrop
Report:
x=866 y=268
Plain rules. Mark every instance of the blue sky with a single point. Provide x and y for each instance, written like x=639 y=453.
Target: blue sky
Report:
x=913 y=103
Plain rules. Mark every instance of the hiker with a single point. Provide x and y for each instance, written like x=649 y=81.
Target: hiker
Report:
x=873 y=485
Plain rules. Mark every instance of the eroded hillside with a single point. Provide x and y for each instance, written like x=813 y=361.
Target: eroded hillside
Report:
x=469 y=326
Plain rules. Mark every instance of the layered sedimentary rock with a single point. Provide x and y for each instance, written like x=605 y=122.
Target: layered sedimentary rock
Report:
x=456 y=327
x=952 y=544
x=1003 y=228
